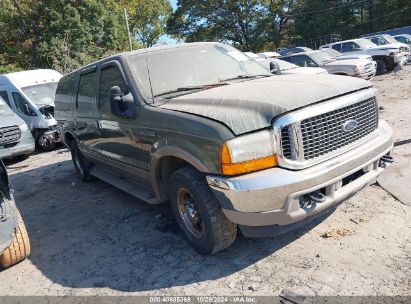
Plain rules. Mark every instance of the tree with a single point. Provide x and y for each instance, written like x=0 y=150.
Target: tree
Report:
x=148 y=19
x=61 y=34
x=243 y=23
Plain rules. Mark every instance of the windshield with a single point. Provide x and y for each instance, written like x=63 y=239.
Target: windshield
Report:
x=4 y=108
x=284 y=65
x=321 y=57
x=389 y=39
x=41 y=94
x=191 y=67
x=331 y=52
x=365 y=43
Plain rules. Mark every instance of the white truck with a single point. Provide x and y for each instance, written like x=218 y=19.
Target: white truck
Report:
x=387 y=56
x=30 y=94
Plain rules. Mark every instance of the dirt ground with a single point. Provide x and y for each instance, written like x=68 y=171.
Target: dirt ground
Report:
x=92 y=239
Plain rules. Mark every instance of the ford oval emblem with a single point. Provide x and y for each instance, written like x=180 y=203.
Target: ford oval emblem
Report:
x=349 y=125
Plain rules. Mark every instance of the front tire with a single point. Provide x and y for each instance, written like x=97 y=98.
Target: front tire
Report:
x=19 y=248
x=198 y=213
x=81 y=165
x=381 y=67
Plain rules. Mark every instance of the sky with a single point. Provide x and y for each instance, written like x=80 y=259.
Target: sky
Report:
x=173 y=4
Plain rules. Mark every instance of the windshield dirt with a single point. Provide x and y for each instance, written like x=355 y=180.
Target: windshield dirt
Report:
x=41 y=94
x=4 y=108
x=185 y=68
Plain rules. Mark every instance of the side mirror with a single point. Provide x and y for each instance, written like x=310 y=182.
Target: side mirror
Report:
x=275 y=68
x=122 y=105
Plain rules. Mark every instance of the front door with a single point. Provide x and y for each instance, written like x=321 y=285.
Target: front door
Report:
x=120 y=138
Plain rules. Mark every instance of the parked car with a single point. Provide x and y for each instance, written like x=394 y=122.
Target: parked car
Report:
x=287 y=68
x=385 y=39
x=269 y=54
x=362 y=68
x=15 y=136
x=30 y=94
x=225 y=142
x=340 y=56
x=14 y=240
x=406 y=39
x=293 y=50
x=255 y=56
x=387 y=57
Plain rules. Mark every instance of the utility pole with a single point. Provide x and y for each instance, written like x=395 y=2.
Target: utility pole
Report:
x=128 y=29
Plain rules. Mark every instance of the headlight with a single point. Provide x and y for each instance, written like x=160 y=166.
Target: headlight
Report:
x=357 y=70
x=23 y=127
x=248 y=153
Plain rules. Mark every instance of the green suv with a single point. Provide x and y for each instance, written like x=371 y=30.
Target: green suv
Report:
x=225 y=142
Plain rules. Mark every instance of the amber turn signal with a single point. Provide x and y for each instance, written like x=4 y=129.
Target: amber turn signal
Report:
x=229 y=168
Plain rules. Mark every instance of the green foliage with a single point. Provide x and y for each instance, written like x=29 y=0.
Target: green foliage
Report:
x=148 y=19
x=67 y=34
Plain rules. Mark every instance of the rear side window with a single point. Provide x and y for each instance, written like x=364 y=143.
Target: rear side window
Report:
x=22 y=105
x=86 y=97
x=110 y=76
x=337 y=47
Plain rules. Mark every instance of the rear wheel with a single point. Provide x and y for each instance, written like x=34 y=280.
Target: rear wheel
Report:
x=19 y=248
x=81 y=165
x=381 y=67
x=198 y=213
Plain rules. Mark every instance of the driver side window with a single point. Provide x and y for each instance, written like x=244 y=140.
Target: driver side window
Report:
x=110 y=76
x=303 y=61
x=22 y=105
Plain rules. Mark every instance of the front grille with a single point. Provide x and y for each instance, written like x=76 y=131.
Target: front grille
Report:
x=325 y=133
x=9 y=135
x=369 y=67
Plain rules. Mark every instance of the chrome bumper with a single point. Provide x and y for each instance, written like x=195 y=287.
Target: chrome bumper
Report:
x=273 y=196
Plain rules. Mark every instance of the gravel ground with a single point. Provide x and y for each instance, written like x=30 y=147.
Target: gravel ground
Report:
x=92 y=239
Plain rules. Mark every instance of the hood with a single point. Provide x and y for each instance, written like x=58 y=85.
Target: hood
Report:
x=7 y=120
x=305 y=71
x=251 y=105
x=347 y=62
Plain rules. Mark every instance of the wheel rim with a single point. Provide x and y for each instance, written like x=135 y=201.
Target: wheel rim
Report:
x=190 y=213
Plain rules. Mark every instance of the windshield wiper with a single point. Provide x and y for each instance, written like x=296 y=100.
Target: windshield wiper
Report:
x=192 y=88
x=247 y=76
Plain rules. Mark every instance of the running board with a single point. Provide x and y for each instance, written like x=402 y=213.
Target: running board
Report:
x=123 y=184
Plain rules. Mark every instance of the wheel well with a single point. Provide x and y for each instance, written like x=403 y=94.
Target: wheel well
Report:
x=165 y=169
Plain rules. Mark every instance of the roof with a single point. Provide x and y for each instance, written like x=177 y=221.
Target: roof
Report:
x=146 y=51
x=32 y=77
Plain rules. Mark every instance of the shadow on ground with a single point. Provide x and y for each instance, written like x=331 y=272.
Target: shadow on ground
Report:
x=93 y=235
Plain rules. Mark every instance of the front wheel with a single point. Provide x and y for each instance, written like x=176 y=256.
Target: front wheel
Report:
x=381 y=67
x=81 y=165
x=198 y=213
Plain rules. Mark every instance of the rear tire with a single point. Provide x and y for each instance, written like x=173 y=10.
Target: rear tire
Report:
x=19 y=248
x=192 y=201
x=381 y=67
x=81 y=165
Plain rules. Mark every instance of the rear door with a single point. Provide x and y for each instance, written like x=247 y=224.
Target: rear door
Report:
x=86 y=114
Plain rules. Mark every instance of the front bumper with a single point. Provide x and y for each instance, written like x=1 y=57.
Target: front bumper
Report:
x=273 y=197
x=24 y=146
x=367 y=75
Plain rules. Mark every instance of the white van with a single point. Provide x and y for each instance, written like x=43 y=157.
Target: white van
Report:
x=30 y=94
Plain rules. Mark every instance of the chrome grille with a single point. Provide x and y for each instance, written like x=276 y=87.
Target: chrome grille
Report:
x=9 y=135
x=324 y=133
x=369 y=67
